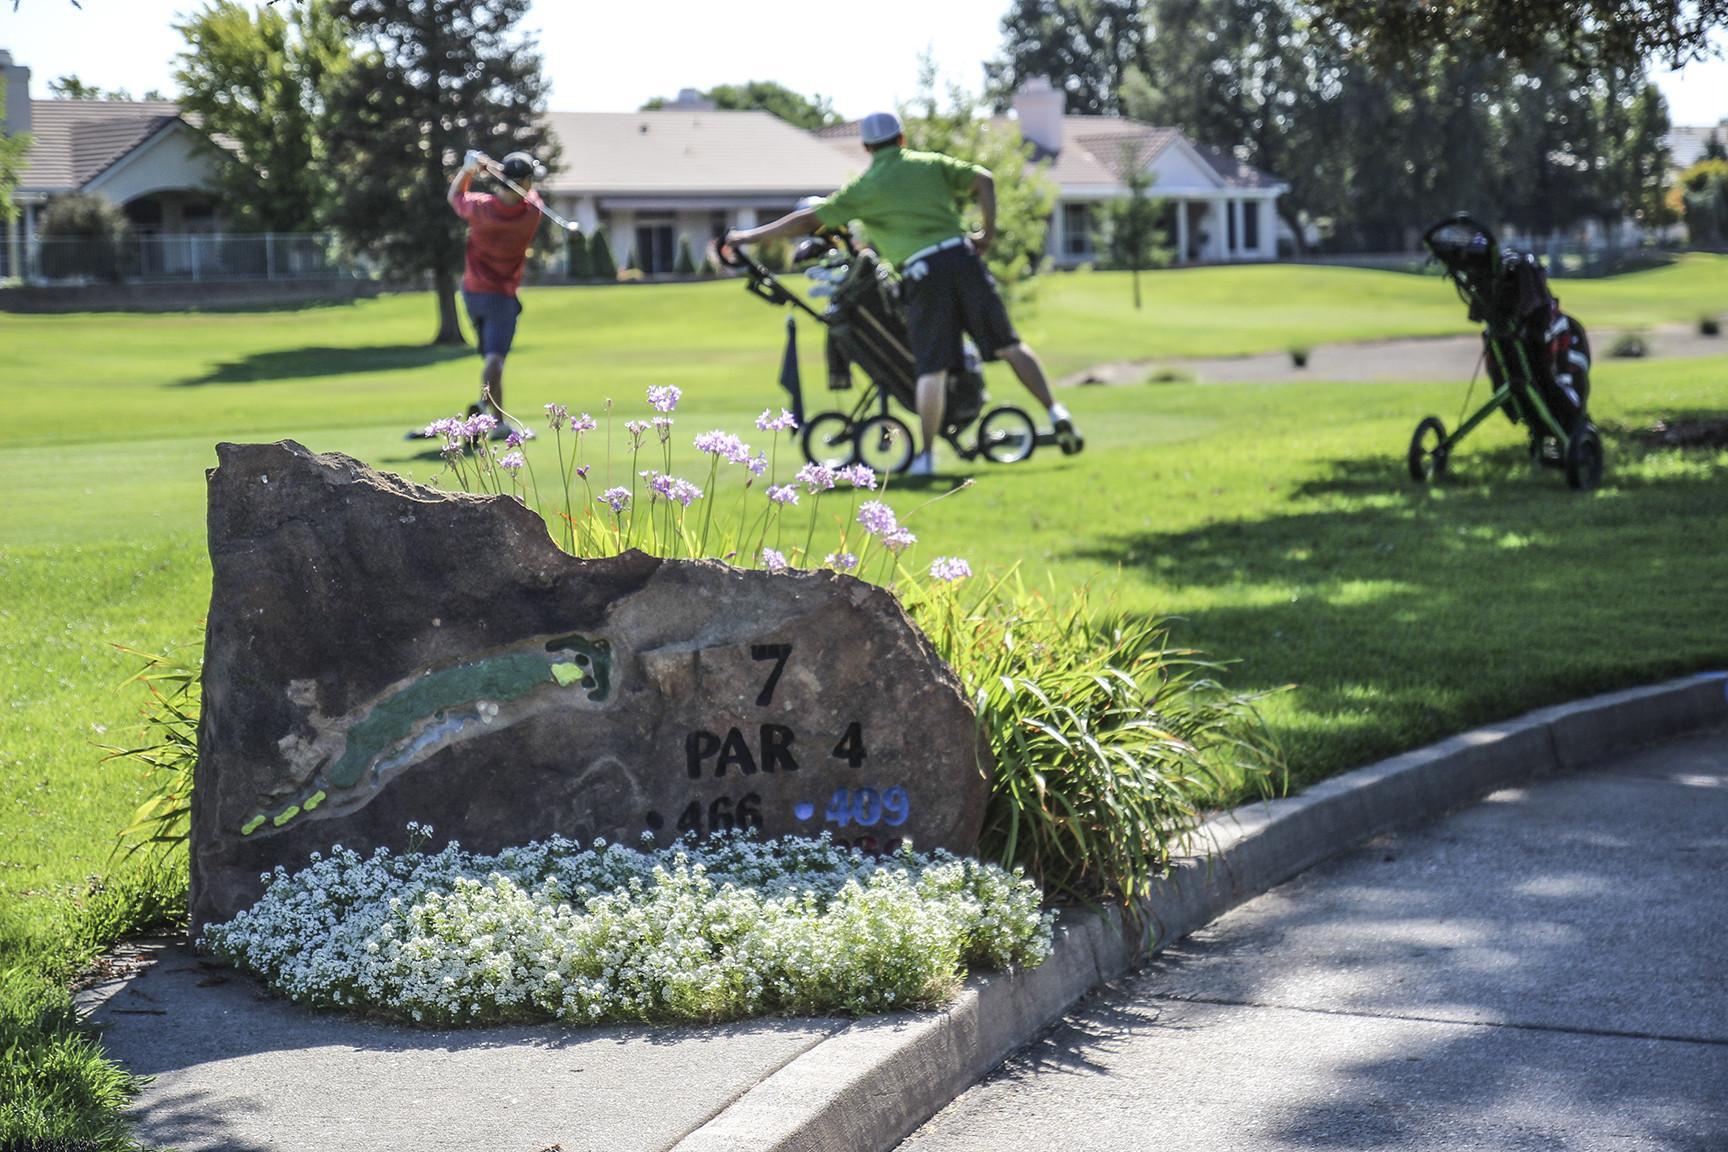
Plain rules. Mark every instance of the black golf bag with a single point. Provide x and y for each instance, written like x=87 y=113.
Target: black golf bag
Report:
x=866 y=324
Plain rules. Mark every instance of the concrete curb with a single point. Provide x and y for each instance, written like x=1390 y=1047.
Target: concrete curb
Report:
x=870 y=1085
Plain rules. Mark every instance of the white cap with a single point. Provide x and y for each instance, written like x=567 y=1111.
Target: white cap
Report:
x=880 y=127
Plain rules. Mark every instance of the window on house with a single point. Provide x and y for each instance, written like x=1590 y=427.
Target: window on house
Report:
x=1251 y=225
x=1077 y=226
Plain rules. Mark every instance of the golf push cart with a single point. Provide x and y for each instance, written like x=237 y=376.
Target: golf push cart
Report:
x=1538 y=357
x=866 y=325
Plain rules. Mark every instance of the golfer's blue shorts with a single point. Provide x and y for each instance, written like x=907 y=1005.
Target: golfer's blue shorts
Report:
x=494 y=317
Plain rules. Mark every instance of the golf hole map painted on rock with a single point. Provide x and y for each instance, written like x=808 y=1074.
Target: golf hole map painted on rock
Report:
x=379 y=652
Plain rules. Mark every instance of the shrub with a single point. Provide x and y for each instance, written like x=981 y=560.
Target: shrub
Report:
x=1109 y=742
x=727 y=928
x=685 y=262
x=1709 y=326
x=1629 y=346
x=1299 y=356
x=578 y=266
x=82 y=238
x=600 y=263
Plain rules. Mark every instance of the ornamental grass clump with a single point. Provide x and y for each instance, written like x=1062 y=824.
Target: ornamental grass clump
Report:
x=720 y=930
x=1110 y=743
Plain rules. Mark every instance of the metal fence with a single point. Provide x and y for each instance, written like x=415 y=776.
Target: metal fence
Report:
x=188 y=259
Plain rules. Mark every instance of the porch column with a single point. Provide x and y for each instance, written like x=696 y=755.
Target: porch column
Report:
x=1181 y=231
x=1215 y=227
x=1235 y=231
x=31 y=242
x=1268 y=229
x=746 y=219
x=15 y=247
x=586 y=213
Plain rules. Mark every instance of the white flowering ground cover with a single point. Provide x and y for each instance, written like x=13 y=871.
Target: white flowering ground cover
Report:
x=729 y=928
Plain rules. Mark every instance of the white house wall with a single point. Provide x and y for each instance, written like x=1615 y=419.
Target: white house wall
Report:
x=173 y=160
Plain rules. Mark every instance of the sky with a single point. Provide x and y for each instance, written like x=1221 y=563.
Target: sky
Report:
x=613 y=57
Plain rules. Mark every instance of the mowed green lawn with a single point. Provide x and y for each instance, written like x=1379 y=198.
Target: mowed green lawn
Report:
x=1274 y=520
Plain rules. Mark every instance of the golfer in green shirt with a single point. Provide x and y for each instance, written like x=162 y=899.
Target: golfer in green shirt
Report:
x=910 y=204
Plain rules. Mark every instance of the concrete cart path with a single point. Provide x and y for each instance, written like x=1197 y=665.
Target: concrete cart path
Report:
x=1434 y=358
x=1546 y=969
x=237 y=1071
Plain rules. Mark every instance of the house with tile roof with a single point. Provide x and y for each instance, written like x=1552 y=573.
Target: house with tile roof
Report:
x=655 y=180
x=1220 y=209
x=139 y=154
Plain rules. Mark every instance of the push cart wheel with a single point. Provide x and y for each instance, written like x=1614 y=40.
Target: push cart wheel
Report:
x=1584 y=458
x=829 y=441
x=1427 y=457
x=884 y=443
x=1007 y=435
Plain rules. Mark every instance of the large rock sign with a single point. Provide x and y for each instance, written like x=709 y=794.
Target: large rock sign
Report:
x=380 y=652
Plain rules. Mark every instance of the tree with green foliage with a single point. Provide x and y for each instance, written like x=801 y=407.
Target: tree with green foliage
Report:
x=1085 y=46
x=807 y=112
x=259 y=80
x=1129 y=231
x=1620 y=32
x=959 y=126
x=1702 y=192
x=69 y=87
x=429 y=80
x=14 y=151
x=602 y=266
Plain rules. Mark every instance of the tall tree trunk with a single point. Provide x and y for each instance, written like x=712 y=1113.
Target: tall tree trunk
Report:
x=449 y=328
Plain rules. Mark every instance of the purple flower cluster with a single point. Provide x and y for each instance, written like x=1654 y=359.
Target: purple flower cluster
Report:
x=949 y=569
x=457 y=430
x=899 y=540
x=512 y=462
x=815 y=478
x=757 y=464
x=583 y=423
x=636 y=428
x=617 y=499
x=663 y=425
x=556 y=414
x=878 y=519
x=859 y=476
x=782 y=494
x=841 y=561
x=671 y=488
x=725 y=445
x=517 y=438
x=774 y=561
x=664 y=397
x=785 y=422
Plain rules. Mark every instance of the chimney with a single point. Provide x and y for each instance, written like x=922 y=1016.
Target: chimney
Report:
x=689 y=100
x=1039 y=108
x=17 y=95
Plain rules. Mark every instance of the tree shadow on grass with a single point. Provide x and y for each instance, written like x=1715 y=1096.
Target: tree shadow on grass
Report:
x=283 y=364
x=1404 y=613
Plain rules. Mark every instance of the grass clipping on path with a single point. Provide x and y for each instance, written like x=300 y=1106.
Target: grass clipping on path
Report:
x=729 y=928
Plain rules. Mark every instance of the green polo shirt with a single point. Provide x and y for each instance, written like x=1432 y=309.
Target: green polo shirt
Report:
x=907 y=200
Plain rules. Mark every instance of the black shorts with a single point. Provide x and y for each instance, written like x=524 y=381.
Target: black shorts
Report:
x=949 y=293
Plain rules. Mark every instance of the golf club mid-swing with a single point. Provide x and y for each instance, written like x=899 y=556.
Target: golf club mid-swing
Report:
x=496 y=171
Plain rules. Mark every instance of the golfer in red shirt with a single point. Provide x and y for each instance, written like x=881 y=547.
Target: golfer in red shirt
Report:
x=501 y=225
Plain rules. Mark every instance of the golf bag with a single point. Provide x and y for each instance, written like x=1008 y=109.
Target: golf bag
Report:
x=867 y=327
x=1527 y=339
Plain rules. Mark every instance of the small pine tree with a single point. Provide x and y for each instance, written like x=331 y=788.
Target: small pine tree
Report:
x=685 y=263
x=600 y=263
x=577 y=266
x=706 y=268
